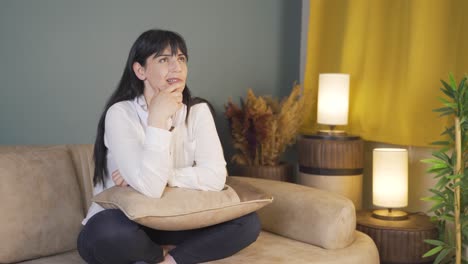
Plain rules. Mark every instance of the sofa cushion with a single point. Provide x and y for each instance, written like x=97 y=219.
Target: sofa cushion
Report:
x=329 y=217
x=182 y=209
x=71 y=257
x=270 y=248
x=82 y=156
x=40 y=201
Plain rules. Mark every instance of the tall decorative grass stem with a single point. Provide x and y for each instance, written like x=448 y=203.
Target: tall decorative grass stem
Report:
x=458 y=171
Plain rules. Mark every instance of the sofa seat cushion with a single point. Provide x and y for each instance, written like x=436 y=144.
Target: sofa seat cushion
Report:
x=71 y=257
x=270 y=248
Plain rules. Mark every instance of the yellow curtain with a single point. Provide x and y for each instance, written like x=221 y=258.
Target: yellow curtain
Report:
x=396 y=52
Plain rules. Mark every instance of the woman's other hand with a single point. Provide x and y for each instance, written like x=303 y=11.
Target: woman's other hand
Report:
x=118 y=179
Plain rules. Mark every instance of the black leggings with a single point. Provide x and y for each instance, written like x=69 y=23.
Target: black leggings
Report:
x=109 y=237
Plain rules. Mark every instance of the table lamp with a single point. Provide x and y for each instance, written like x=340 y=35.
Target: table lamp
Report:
x=390 y=182
x=333 y=101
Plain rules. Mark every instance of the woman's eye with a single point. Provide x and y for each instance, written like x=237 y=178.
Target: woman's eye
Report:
x=162 y=60
x=182 y=59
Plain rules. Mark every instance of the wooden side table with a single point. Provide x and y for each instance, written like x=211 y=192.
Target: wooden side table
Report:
x=332 y=163
x=399 y=241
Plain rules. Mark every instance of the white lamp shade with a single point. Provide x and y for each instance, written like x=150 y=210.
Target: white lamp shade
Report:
x=333 y=99
x=390 y=177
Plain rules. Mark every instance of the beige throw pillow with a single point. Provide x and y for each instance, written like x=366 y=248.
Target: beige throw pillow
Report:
x=182 y=209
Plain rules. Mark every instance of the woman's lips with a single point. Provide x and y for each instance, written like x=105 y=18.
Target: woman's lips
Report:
x=173 y=80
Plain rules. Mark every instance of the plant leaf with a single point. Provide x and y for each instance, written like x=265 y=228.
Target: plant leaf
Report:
x=435 y=161
x=453 y=177
x=462 y=83
x=437 y=192
x=433 y=251
x=447 y=86
x=442 y=255
x=434 y=242
x=448 y=92
x=449 y=218
x=432 y=198
x=438 y=167
x=437 y=206
x=443 y=143
x=453 y=83
x=441 y=155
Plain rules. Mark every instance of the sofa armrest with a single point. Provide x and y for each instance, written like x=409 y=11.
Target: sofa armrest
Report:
x=306 y=214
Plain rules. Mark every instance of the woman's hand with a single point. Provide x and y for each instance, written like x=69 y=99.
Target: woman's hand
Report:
x=118 y=179
x=164 y=105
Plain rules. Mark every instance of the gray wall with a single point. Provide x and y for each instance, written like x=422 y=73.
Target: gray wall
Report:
x=60 y=60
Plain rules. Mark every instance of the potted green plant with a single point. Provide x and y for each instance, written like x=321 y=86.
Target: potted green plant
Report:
x=261 y=129
x=449 y=164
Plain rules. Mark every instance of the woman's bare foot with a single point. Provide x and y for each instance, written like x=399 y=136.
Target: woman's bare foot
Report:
x=167 y=248
x=168 y=259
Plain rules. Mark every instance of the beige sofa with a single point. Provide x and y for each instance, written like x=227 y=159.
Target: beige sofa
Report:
x=46 y=190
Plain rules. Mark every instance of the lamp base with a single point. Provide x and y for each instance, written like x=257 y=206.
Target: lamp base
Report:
x=390 y=215
x=330 y=132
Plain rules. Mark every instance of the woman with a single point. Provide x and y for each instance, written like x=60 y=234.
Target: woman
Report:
x=152 y=134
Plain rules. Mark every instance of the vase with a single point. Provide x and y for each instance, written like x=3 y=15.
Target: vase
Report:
x=281 y=172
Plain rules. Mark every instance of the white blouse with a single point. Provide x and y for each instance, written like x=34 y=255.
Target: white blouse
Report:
x=149 y=158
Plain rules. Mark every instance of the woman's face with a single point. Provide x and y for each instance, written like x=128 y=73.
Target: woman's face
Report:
x=162 y=71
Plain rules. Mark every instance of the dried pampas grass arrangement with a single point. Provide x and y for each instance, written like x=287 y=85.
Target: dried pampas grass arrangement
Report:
x=262 y=127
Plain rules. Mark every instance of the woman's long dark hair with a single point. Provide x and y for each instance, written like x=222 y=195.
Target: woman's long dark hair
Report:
x=150 y=42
